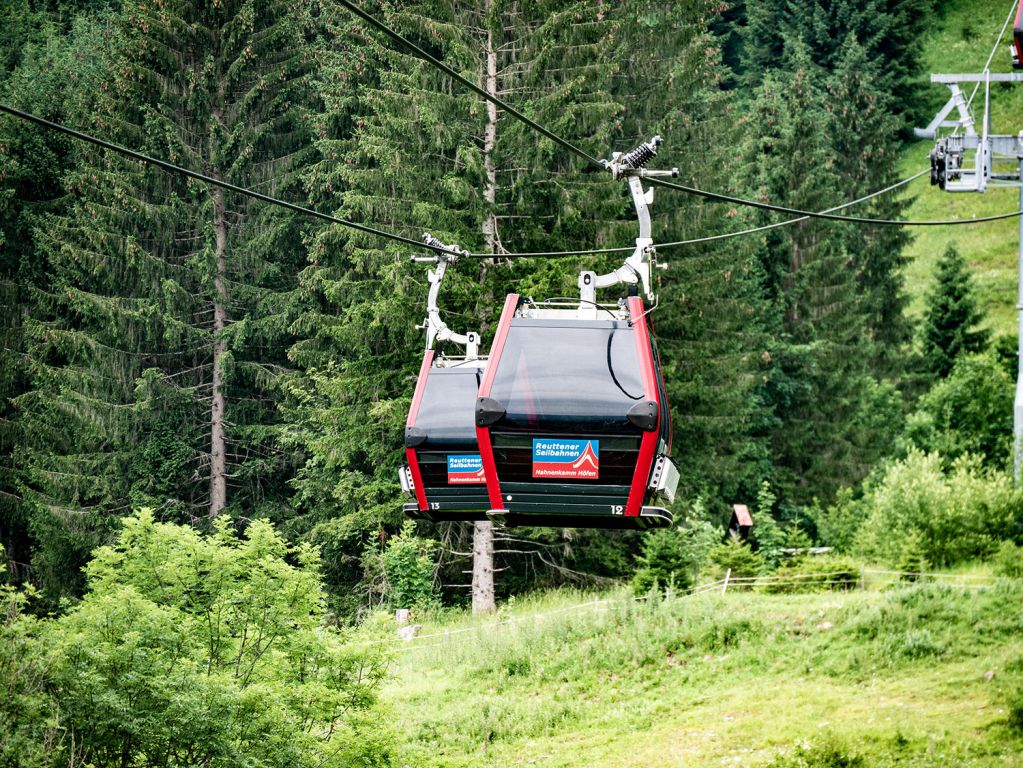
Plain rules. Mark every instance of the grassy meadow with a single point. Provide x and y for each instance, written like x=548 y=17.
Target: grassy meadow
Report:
x=918 y=675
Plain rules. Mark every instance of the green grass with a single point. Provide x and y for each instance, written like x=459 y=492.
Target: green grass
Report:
x=961 y=41
x=891 y=678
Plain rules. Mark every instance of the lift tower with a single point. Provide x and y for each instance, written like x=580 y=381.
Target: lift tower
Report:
x=964 y=160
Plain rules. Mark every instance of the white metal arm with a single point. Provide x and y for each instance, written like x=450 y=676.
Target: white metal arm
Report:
x=436 y=328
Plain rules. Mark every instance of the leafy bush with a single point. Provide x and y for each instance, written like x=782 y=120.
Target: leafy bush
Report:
x=1009 y=560
x=955 y=514
x=408 y=564
x=194 y=650
x=969 y=412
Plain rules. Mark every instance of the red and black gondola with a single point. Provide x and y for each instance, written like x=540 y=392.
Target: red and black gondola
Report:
x=572 y=420
x=566 y=423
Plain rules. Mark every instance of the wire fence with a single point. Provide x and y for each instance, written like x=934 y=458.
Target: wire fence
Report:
x=865 y=579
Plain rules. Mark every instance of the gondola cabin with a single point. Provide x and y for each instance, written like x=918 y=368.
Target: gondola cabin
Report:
x=572 y=420
x=444 y=472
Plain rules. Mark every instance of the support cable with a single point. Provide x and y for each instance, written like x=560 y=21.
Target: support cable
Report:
x=173 y=168
x=994 y=49
x=716 y=196
x=418 y=244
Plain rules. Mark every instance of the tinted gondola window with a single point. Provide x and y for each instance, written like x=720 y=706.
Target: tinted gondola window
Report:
x=449 y=402
x=568 y=377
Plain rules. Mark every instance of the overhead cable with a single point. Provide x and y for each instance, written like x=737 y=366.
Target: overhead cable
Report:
x=173 y=168
x=716 y=196
x=398 y=38
x=998 y=41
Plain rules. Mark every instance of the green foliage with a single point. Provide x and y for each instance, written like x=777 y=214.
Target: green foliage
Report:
x=736 y=556
x=832 y=419
x=951 y=316
x=820 y=754
x=191 y=649
x=1009 y=560
x=673 y=557
x=1015 y=717
x=970 y=411
x=409 y=566
x=816 y=574
x=838 y=524
x=888 y=31
x=957 y=514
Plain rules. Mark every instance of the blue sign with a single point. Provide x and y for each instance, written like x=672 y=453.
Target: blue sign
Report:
x=566 y=459
x=465 y=469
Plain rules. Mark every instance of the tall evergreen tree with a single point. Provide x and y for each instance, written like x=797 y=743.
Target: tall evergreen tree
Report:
x=166 y=315
x=889 y=30
x=952 y=316
x=819 y=384
x=57 y=77
x=862 y=131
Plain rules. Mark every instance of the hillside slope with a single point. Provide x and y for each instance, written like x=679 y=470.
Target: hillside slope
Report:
x=918 y=676
x=961 y=39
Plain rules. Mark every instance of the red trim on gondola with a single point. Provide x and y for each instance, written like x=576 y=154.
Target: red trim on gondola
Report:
x=417 y=396
x=483 y=433
x=413 y=414
x=648 y=444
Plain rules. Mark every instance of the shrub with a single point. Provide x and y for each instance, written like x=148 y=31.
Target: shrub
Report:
x=736 y=556
x=969 y=412
x=1009 y=560
x=954 y=513
x=408 y=565
x=673 y=556
x=837 y=526
x=194 y=650
x=816 y=574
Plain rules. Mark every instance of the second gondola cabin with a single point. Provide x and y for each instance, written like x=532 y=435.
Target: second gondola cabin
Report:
x=443 y=471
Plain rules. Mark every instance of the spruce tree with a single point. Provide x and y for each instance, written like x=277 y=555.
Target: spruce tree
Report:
x=166 y=315
x=888 y=30
x=57 y=77
x=817 y=381
x=952 y=316
x=863 y=132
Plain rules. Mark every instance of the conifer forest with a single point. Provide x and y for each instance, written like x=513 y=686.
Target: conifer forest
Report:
x=211 y=345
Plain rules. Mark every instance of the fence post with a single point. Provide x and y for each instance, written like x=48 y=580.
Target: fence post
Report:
x=863 y=579
x=724 y=586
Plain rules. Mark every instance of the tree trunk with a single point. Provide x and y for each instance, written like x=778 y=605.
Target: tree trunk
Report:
x=489 y=140
x=483 y=567
x=218 y=443
x=483 y=532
